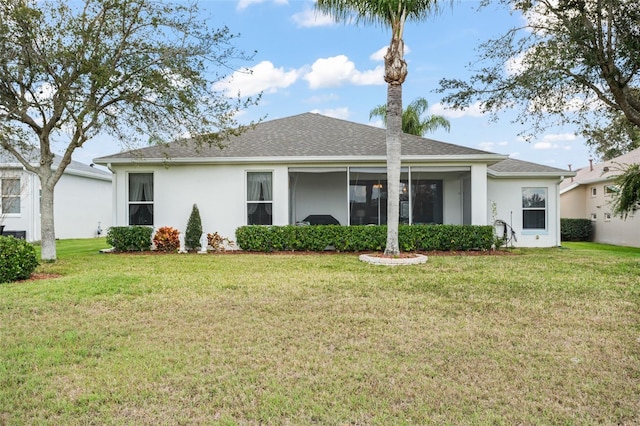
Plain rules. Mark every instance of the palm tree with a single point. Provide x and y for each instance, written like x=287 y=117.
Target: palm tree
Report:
x=393 y=14
x=412 y=121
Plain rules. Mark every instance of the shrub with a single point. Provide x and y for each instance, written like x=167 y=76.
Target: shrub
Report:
x=194 y=230
x=130 y=238
x=17 y=259
x=576 y=229
x=167 y=239
x=218 y=242
x=363 y=238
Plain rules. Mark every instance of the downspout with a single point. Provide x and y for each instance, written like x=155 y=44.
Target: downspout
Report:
x=558 y=225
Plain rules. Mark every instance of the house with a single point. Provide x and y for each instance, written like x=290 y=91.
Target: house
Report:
x=589 y=195
x=82 y=203
x=312 y=169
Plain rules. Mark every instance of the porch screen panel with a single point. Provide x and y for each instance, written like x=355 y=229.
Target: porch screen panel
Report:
x=140 y=198
x=427 y=199
x=259 y=198
x=368 y=196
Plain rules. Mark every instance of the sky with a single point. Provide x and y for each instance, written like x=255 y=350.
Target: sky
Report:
x=305 y=62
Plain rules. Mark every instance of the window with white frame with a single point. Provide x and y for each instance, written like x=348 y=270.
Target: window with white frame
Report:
x=607 y=217
x=259 y=198
x=140 y=198
x=534 y=208
x=594 y=217
x=10 y=196
x=594 y=191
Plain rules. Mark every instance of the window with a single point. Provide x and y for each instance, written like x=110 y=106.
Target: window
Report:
x=594 y=217
x=594 y=191
x=11 y=196
x=259 y=198
x=610 y=190
x=534 y=208
x=140 y=198
x=607 y=217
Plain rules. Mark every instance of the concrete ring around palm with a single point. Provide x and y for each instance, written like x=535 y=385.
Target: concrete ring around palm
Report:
x=374 y=259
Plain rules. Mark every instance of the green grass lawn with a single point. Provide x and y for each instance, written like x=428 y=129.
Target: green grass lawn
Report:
x=536 y=337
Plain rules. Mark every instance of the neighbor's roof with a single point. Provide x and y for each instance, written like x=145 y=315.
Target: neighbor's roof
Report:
x=601 y=172
x=303 y=137
x=74 y=168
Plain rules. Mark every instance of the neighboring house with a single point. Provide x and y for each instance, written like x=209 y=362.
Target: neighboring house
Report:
x=316 y=169
x=589 y=195
x=82 y=200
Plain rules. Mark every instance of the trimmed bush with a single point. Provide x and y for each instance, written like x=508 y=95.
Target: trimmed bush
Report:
x=363 y=238
x=576 y=229
x=194 y=230
x=17 y=259
x=130 y=238
x=167 y=239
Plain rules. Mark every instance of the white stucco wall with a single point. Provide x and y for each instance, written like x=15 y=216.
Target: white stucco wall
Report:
x=507 y=196
x=218 y=190
x=609 y=229
x=81 y=203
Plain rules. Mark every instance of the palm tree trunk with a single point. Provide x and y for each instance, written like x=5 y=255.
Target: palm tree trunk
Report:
x=394 y=133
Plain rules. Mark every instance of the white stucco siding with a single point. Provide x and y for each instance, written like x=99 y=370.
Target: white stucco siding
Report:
x=507 y=196
x=29 y=215
x=219 y=191
x=80 y=203
x=479 y=194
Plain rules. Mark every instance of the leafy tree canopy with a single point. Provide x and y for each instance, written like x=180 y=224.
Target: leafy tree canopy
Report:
x=139 y=70
x=572 y=62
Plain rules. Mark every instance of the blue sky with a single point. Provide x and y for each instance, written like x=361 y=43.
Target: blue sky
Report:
x=307 y=63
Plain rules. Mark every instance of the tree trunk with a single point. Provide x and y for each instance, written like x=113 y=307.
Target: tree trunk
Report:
x=394 y=133
x=47 y=223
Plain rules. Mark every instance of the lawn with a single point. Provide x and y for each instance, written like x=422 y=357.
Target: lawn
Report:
x=546 y=336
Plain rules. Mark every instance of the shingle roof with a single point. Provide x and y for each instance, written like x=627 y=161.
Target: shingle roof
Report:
x=602 y=171
x=302 y=136
x=74 y=167
x=513 y=167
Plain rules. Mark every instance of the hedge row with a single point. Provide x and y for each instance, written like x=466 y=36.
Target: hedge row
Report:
x=17 y=259
x=363 y=238
x=130 y=238
x=576 y=229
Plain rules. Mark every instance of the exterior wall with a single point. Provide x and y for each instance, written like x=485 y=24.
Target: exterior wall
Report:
x=479 y=188
x=218 y=190
x=507 y=196
x=29 y=215
x=573 y=203
x=608 y=228
x=80 y=204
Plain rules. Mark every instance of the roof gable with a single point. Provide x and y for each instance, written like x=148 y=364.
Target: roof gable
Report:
x=602 y=172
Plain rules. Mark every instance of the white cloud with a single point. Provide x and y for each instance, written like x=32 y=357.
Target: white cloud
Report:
x=490 y=146
x=559 y=137
x=342 y=113
x=338 y=70
x=243 y=4
x=440 y=109
x=264 y=77
x=544 y=145
x=312 y=18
